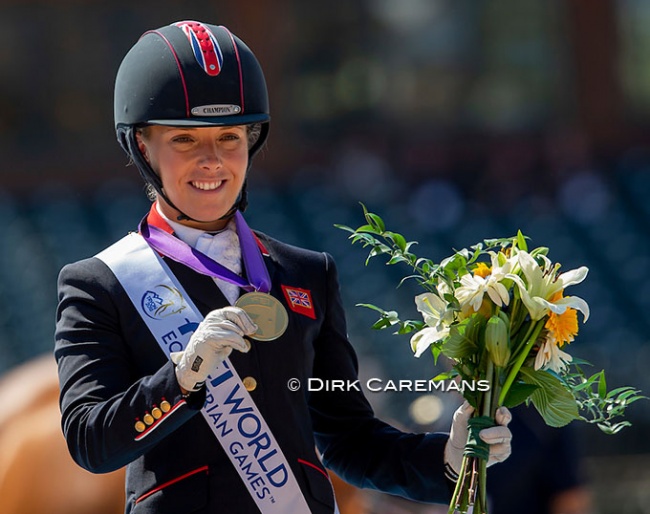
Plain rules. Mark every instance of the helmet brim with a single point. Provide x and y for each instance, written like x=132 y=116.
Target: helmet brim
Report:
x=214 y=121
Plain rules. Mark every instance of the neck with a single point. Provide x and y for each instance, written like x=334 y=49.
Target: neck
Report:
x=178 y=217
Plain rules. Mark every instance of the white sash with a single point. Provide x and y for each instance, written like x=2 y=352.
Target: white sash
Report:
x=229 y=409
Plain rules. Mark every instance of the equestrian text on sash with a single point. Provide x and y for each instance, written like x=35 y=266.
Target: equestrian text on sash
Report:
x=239 y=424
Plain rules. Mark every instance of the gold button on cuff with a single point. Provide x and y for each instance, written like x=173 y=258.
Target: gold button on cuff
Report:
x=140 y=426
x=156 y=413
x=250 y=384
x=165 y=406
x=148 y=418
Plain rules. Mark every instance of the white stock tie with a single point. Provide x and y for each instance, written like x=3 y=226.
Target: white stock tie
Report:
x=223 y=247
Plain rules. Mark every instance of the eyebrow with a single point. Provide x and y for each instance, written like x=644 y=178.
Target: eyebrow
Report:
x=194 y=129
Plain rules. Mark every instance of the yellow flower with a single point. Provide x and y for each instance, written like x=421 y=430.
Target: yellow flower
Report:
x=482 y=270
x=562 y=329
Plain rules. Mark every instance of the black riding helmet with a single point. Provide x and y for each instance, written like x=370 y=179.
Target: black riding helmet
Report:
x=189 y=74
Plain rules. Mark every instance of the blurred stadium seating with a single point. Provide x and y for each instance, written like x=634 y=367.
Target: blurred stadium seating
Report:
x=56 y=225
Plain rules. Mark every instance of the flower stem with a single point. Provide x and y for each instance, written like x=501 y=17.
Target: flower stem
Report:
x=496 y=390
x=482 y=502
x=472 y=483
x=487 y=398
x=531 y=338
x=456 y=498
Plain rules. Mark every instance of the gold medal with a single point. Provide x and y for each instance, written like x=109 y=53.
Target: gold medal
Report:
x=267 y=313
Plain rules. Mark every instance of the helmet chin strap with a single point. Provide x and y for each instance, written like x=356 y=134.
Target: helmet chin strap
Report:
x=128 y=142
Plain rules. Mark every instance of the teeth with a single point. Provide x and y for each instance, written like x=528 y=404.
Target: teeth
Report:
x=207 y=186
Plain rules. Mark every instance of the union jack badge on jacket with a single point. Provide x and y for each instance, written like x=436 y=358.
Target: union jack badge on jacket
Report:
x=299 y=300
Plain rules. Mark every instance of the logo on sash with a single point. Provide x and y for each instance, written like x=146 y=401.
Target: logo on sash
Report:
x=299 y=300
x=163 y=301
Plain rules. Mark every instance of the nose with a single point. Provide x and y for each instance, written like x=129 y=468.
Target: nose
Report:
x=210 y=155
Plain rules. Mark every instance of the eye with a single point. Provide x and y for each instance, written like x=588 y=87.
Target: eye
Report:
x=182 y=138
x=230 y=140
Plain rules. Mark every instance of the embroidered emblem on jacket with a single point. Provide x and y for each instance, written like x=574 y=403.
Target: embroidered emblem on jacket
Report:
x=299 y=300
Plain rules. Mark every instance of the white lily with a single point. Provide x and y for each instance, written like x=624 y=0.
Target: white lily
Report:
x=424 y=338
x=437 y=315
x=539 y=292
x=551 y=357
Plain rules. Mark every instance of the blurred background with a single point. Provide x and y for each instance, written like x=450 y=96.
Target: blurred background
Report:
x=455 y=120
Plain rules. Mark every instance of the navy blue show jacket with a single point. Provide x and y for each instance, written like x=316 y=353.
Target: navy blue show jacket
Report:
x=113 y=373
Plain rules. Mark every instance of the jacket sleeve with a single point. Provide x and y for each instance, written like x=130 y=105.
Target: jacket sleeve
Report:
x=112 y=411
x=356 y=445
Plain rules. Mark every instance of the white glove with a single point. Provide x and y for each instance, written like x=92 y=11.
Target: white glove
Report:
x=217 y=335
x=498 y=437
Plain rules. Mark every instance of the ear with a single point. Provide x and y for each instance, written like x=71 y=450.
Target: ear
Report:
x=142 y=146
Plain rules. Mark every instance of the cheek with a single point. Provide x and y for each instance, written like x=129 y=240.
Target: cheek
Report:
x=156 y=168
x=242 y=163
x=164 y=166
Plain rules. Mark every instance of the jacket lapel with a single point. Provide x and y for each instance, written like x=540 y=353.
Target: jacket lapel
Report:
x=205 y=294
x=271 y=265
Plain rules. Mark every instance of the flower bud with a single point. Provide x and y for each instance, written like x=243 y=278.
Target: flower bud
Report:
x=496 y=341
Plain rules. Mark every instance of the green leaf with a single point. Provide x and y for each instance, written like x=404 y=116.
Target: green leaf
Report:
x=577 y=362
x=628 y=396
x=519 y=392
x=370 y=306
x=409 y=277
x=376 y=222
x=541 y=250
x=369 y=229
x=602 y=385
x=435 y=351
x=408 y=326
x=445 y=375
x=409 y=244
x=381 y=324
x=461 y=341
x=627 y=391
x=453 y=263
x=366 y=239
x=552 y=400
x=377 y=250
x=397 y=258
x=611 y=429
x=344 y=227
x=398 y=239
x=521 y=241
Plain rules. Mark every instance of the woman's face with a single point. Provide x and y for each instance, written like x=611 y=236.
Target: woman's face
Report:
x=202 y=170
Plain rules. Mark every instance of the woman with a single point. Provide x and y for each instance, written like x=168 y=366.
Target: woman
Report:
x=146 y=329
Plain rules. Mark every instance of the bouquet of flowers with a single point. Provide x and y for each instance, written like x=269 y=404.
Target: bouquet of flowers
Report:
x=500 y=312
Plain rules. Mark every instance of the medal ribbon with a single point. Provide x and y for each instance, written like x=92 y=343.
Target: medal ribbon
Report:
x=166 y=244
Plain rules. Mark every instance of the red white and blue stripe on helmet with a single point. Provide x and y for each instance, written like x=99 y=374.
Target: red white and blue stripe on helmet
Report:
x=204 y=45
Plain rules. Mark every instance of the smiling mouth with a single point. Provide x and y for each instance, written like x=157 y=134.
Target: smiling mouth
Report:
x=207 y=186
